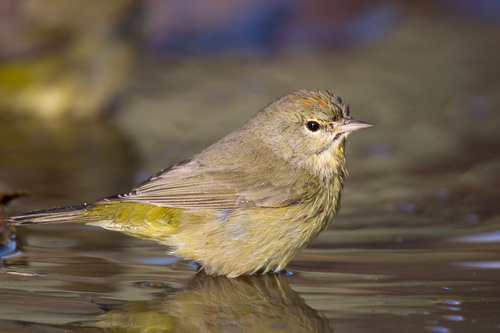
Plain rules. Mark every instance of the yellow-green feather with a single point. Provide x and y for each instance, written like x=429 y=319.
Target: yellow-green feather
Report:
x=138 y=220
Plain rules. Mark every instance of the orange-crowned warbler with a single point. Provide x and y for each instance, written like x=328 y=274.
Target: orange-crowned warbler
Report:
x=246 y=204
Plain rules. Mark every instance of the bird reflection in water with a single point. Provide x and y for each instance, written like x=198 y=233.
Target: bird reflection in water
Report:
x=263 y=303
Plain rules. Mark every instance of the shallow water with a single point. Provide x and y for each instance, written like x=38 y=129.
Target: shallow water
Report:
x=415 y=248
x=369 y=272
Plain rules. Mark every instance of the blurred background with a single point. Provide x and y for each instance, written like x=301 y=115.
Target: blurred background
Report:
x=97 y=95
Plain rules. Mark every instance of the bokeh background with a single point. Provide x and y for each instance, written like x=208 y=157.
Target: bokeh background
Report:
x=94 y=97
x=97 y=95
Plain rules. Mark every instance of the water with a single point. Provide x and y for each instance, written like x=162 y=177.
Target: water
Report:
x=76 y=277
x=415 y=247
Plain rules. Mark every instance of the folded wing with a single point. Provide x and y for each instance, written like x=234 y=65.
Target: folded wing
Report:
x=191 y=185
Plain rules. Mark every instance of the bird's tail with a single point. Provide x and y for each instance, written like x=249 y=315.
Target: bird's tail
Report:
x=79 y=213
x=135 y=219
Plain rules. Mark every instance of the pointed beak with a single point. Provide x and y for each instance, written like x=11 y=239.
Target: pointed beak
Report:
x=351 y=125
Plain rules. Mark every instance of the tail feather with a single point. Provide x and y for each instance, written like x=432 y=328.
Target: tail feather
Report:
x=135 y=219
x=68 y=214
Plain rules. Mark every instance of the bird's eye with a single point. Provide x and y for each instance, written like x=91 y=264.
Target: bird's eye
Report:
x=312 y=125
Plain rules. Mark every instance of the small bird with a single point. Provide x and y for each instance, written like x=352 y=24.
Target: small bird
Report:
x=246 y=204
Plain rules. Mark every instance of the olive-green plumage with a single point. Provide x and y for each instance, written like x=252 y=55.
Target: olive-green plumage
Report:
x=247 y=203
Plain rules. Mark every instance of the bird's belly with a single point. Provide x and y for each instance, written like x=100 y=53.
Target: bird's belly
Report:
x=245 y=241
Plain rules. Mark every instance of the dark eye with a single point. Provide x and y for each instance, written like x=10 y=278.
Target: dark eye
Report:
x=313 y=126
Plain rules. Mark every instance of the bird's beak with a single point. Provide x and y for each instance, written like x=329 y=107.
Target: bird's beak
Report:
x=350 y=125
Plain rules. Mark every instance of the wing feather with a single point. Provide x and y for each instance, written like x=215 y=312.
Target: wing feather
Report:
x=192 y=185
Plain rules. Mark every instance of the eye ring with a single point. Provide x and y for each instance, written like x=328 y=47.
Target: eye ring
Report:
x=313 y=126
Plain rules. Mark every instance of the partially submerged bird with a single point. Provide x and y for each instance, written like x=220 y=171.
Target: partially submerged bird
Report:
x=246 y=204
